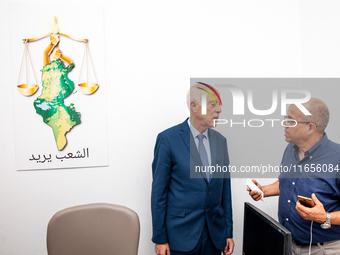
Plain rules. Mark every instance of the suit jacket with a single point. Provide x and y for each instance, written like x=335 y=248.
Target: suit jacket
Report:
x=180 y=203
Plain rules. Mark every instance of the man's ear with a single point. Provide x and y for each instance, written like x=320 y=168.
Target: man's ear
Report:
x=311 y=128
x=193 y=106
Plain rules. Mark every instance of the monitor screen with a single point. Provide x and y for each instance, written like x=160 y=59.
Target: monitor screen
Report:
x=263 y=235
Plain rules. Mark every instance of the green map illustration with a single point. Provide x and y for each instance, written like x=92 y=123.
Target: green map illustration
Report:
x=50 y=104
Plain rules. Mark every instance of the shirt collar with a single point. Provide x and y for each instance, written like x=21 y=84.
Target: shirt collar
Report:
x=194 y=131
x=316 y=147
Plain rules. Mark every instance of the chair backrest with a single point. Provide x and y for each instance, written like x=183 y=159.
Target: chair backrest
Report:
x=94 y=229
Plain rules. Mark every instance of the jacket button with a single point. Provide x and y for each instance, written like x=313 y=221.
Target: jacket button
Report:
x=209 y=192
x=206 y=209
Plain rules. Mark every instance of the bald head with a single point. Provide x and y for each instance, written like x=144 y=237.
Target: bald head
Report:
x=203 y=115
x=195 y=94
x=320 y=114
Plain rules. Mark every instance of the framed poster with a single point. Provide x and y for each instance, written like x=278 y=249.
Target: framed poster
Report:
x=59 y=97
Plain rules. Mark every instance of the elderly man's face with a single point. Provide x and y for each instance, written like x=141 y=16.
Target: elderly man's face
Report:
x=296 y=134
x=213 y=112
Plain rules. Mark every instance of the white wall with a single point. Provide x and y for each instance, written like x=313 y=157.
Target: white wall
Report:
x=153 y=48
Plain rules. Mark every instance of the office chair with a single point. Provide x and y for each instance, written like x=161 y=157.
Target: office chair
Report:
x=94 y=229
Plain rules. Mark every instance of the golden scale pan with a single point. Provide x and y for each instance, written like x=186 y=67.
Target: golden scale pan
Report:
x=87 y=87
x=28 y=89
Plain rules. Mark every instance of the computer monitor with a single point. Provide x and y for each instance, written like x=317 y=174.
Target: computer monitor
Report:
x=263 y=235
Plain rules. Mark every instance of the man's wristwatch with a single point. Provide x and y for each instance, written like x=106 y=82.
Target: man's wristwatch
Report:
x=327 y=223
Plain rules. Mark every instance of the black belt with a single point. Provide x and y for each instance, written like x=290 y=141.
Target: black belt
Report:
x=304 y=244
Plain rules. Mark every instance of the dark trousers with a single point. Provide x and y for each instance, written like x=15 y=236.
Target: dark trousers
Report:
x=205 y=246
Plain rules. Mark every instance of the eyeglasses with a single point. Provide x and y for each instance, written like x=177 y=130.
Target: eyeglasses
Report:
x=293 y=123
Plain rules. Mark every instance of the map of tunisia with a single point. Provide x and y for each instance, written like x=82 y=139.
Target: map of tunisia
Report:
x=50 y=104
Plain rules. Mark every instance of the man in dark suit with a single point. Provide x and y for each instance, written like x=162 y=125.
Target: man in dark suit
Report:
x=191 y=208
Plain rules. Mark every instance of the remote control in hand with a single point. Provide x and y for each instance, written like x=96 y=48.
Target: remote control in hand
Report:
x=252 y=187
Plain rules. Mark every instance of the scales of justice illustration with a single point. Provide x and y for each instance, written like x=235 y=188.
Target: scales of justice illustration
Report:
x=56 y=85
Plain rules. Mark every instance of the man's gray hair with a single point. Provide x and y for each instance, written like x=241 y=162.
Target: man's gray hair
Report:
x=320 y=114
x=194 y=94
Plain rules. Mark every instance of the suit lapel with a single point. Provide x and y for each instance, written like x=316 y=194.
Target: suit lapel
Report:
x=213 y=150
x=189 y=142
x=185 y=134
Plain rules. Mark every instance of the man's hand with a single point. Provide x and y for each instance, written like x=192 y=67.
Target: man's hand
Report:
x=255 y=194
x=316 y=213
x=162 y=249
x=229 y=248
